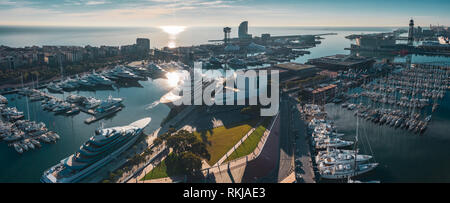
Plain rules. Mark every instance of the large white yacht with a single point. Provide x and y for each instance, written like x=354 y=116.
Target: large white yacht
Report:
x=101 y=148
x=123 y=73
x=99 y=79
x=344 y=171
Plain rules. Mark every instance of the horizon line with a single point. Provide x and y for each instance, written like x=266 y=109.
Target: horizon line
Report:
x=158 y=26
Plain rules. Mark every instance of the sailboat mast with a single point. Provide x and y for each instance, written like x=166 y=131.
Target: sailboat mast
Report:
x=26 y=98
x=60 y=67
x=356 y=145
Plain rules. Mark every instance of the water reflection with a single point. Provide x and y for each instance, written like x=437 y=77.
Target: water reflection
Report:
x=173 y=79
x=173 y=31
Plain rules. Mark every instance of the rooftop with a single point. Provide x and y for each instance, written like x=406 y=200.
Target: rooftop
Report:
x=294 y=66
x=322 y=89
x=341 y=59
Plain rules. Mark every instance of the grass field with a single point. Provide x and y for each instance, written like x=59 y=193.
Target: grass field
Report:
x=160 y=171
x=218 y=141
x=250 y=144
x=221 y=139
x=164 y=169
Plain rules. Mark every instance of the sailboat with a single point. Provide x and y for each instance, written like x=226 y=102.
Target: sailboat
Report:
x=346 y=170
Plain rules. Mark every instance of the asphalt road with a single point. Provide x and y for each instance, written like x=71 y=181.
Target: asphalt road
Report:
x=303 y=162
x=265 y=165
x=287 y=135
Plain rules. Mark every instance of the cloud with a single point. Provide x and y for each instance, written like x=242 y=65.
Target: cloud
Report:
x=89 y=3
x=193 y=13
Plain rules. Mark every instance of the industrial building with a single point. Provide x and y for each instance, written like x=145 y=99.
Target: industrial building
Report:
x=342 y=62
x=295 y=71
x=319 y=95
x=375 y=41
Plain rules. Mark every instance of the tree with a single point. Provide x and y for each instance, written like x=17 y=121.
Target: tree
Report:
x=199 y=148
x=158 y=141
x=187 y=153
x=191 y=163
x=181 y=141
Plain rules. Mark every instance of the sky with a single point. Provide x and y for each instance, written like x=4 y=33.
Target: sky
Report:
x=154 y=13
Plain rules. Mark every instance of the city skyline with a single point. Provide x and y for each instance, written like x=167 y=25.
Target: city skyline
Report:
x=156 y=13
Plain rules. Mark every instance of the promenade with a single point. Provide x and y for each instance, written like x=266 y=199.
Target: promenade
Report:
x=304 y=166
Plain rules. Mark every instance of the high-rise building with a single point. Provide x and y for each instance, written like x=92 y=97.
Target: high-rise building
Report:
x=143 y=45
x=411 y=31
x=243 y=31
x=419 y=31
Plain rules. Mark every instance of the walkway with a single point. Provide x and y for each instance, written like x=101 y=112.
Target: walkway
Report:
x=304 y=166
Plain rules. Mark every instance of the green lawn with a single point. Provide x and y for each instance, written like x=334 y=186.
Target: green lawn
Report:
x=249 y=145
x=164 y=169
x=160 y=171
x=220 y=140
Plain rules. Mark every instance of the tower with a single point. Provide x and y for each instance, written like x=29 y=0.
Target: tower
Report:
x=226 y=32
x=243 y=30
x=244 y=37
x=411 y=31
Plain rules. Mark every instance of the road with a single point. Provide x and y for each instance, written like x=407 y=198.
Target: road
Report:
x=303 y=162
x=287 y=135
x=263 y=168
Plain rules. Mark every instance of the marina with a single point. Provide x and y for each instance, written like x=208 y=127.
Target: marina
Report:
x=24 y=135
x=72 y=129
x=74 y=132
x=333 y=160
x=405 y=99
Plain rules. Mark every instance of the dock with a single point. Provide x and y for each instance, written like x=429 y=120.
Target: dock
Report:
x=86 y=110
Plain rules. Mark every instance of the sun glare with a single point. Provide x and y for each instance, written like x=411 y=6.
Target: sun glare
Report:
x=173 y=79
x=173 y=29
x=172 y=44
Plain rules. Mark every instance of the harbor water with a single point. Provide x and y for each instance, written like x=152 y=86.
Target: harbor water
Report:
x=29 y=166
x=403 y=156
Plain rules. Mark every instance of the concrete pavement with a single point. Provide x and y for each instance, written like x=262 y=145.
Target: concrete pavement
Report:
x=304 y=166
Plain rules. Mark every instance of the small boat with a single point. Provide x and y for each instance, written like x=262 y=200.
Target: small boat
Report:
x=18 y=148
x=52 y=136
x=345 y=171
x=73 y=111
x=13 y=137
x=24 y=146
x=45 y=138
x=91 y=103
x=332 y=159
x=357 y=181
x=72 y=98
x=52 y=87
x=428 y=118
x=332 y=142
x=56 y=135
x=29 y=144
x=3 y=100
x=35 y=143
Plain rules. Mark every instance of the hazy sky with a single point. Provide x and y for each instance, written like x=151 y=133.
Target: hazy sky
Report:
x=224 y=12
